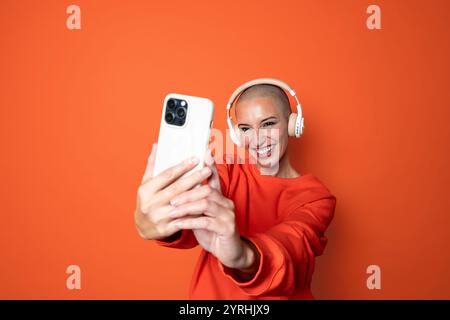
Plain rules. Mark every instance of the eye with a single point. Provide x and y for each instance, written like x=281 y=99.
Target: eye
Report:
x=268 y=124
x=243 y=129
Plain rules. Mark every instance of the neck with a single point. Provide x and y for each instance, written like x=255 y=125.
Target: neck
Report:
x=285 y=168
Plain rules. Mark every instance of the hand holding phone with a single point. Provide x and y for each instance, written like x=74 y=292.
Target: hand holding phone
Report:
x=176 y=163
x=153 y=210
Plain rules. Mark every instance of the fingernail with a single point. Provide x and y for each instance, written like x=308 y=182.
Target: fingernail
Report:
x=177 y=224
x=174 y=201
x=205 y=171
x=192 y=160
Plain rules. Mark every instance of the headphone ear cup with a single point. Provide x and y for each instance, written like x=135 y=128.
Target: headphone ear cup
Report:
x=233 y=135
x=292 y=123
x=235 y=138
x=301 y=126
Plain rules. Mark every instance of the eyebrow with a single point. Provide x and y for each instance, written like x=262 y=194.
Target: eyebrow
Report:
x=269 y=118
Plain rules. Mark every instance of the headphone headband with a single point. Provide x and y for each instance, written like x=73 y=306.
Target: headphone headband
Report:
x=272 y=81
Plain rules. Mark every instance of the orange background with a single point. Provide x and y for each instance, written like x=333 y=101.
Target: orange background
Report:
x=80 y=110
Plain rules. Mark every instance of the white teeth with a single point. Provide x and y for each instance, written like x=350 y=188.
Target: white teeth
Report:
x=265 y=150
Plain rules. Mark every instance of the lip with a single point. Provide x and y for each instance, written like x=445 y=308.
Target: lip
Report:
x=264 y=151
x=262 y=147
x=259 y=148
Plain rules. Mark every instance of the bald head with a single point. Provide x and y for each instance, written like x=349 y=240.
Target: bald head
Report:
x=277 y=95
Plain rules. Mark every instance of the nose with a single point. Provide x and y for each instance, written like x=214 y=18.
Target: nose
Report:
x=257 y=138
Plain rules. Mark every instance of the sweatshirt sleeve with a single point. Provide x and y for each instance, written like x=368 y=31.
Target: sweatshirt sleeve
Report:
x=287 y=251
x=183 y=239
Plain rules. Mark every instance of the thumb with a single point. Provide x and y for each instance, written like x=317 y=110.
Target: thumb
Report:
x=150 y=164
x=214 y=179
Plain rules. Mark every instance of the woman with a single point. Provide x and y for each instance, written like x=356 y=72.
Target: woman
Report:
x=259 y=233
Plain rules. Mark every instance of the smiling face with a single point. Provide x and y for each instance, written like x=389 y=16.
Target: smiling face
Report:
x=263 y=127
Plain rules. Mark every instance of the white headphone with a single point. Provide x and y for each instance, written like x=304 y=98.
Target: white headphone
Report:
x=296 y=121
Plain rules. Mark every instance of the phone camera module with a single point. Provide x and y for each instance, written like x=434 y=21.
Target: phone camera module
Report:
x=176 y=112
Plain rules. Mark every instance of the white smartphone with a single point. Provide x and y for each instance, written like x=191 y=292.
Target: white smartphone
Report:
x=184 y=131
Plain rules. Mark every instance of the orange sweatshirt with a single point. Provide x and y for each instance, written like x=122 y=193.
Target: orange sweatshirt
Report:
x=284 y=218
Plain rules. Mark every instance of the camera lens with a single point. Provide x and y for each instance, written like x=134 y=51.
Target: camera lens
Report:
x=171 y=103
x=181 y=112
x=169 y=117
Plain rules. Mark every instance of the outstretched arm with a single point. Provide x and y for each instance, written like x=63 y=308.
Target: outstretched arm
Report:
x=286 y=251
